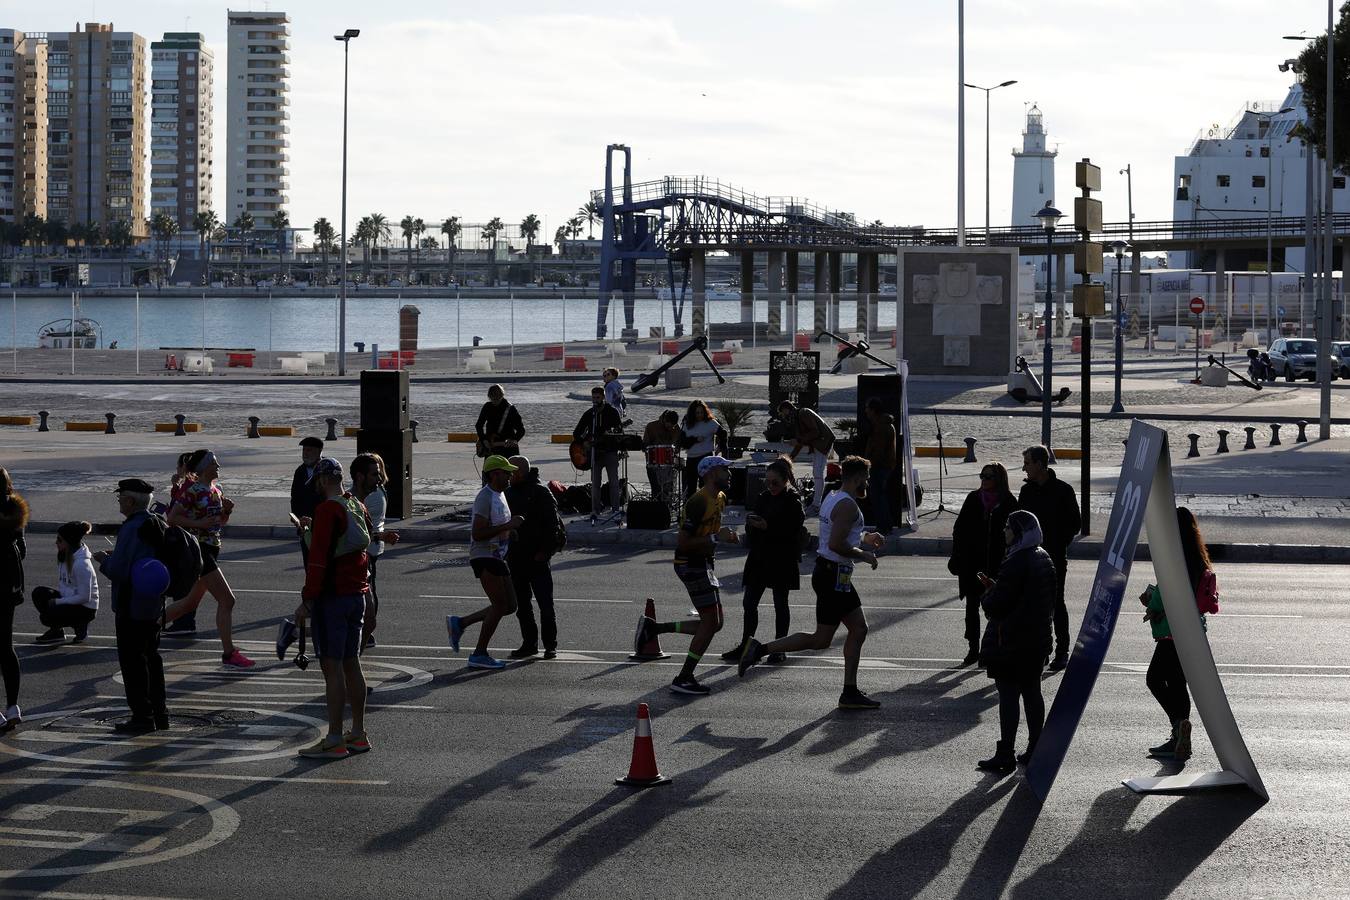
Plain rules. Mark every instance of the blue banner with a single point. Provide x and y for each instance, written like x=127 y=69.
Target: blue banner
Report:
x=1146 y=445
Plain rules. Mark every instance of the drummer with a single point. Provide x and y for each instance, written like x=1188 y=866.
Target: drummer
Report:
x=661 y=438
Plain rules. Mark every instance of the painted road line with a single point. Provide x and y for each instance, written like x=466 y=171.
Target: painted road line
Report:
x=281 y=779
x=69 y=895
x=204 y=700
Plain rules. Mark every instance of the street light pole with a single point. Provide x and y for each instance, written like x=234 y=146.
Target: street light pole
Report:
x=1119 y=247
x=1270 y=186
x=1048 y=217
x=1327 y=318
x=1129 y=197
x=987 y=92
x=346 y=38
x=960 y=123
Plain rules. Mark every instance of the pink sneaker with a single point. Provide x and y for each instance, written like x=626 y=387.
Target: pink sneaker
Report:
x=237 y=659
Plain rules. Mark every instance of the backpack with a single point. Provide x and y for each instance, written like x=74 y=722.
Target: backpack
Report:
x=355 y=537
x=559 y=533
x=180 y=553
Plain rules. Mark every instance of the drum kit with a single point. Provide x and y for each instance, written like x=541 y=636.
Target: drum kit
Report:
x=665 y=463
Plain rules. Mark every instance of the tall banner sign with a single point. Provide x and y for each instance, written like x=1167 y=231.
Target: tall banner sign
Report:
x=1144 y=498
x=907 y=451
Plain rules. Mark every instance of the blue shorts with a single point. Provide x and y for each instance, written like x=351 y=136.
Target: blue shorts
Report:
x=337 y=626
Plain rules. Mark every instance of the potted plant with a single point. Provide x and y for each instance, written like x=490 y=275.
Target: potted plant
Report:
x=734 y=416
x=843 y=446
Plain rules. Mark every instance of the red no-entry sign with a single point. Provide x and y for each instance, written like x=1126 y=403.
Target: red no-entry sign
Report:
x=1197 y=305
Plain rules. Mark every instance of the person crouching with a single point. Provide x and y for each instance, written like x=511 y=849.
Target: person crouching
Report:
x=74 y=600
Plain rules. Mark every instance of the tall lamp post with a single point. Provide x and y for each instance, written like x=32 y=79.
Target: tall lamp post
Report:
x=1129 y=196
x=1048 y=217
x=987 y=92
x=1119 y=248
x=346 y=38
x=1270 y=241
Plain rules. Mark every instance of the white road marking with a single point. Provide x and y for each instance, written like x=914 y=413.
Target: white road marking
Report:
x=282 y=779
x=69 y=895
x=204 y=700
x=482 y=599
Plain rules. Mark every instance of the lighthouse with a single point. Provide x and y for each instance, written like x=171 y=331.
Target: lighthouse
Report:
x=1033 y=172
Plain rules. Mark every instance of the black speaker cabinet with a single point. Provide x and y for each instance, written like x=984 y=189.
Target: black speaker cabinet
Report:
x=754 y=484
x=384 y=399
x=887 y=389
x=648 y=515
x=395 y=447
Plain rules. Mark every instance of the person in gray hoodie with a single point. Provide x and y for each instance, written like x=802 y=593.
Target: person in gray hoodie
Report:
x=74 y=601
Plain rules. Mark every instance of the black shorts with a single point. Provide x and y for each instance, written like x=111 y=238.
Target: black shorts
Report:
x=489 y=565
x=210 y=559
x=833 y=600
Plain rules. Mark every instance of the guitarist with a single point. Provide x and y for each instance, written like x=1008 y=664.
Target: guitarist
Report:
x=596 y=424
x=499 y=426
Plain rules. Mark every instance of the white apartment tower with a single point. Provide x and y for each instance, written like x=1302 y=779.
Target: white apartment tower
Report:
x=23 y=124
x=181 y=74
x=1033 y=172
x=258 y=74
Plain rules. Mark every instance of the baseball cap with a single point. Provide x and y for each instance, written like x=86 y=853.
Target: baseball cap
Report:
x=134 y=486
x=311 y=442
x=497 y=463
x=708 y=463
x=327 y=467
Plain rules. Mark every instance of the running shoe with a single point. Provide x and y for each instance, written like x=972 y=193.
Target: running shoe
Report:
x=485 y=661
x=646 y=630
x=180 y=628
x=523 y=652
x=852 y=698
x=357 y=742
x=51 y=636
x=688 y=684
x=1059 y=663
x=1183 y=747
x=13 y=715
x=749 y=656
x=1166 y=748
x=551 y=653
x=135 y=726
x=733 y=654
x=776 y=659
x=325 y=748
x=236 y=659
x=455 y=630
x=287 y=634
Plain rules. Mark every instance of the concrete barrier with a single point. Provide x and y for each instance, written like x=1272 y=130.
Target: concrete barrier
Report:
x=276 y=431
x=560 y=439
x=87 y=426
x=294 y=365
x=935 y=452
x=16 y=420
x=462 y=437
x=172 y=428
x=351 y=430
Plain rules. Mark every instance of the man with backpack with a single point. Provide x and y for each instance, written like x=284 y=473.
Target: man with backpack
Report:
x=334 y=598
x=528 y=555
x=137 y=615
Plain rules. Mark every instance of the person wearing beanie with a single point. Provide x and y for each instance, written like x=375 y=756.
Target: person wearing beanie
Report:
x=74 y=600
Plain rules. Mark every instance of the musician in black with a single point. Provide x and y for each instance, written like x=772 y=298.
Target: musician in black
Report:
x=598 y=430
x=499 y=426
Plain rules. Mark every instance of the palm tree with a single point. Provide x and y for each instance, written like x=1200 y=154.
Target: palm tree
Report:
x=418 y=227
x=163 y=227
x=529 y=227
x=119 y=234
x=590 y=214
x=559 y=236
x=280 y=221
x=205 y=223
x=380 y=233
x=490 y=231
x=406 y=226
x=34 y=230
x=244 y=225
x=323 y=240
x=574 y=225
x=362 y=236
x=450 y=228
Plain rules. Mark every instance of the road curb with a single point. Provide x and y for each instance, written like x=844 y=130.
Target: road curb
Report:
x=580 y=534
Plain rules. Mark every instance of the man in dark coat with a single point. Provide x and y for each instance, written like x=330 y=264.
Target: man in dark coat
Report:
x=527 y=556
x=1055 y=506
x=304 y=492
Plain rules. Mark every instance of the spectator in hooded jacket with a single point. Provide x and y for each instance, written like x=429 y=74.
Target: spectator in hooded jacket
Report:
x=13 y=520
x=978 y=546
x=74 y=600
x=1055 y=506
x=528 y=555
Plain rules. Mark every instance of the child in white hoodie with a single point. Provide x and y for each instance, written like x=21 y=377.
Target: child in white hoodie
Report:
x=74 y=601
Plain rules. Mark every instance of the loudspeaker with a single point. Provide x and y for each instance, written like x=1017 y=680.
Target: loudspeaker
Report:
x=736 y=490
x=395 y=448
x=887 y=389
x=754 y=483
x=648 y=515
x=384 y=399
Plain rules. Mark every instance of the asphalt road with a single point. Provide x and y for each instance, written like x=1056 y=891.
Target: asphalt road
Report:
x=501 y=784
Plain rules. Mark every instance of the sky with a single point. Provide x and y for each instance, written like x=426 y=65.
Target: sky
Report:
x=481 y=109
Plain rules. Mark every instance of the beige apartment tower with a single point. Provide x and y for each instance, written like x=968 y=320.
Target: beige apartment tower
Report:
x=23 y=124
x=96 y=126
x=181 y=73
x=258 y=77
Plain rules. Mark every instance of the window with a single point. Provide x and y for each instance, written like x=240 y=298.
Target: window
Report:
x=1265 y=151
x=1258 y=181
x=1223 y=181
x=1338 y=183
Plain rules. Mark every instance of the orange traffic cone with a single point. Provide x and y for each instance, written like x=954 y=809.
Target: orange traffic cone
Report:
x=642 y=770
x=652 y=648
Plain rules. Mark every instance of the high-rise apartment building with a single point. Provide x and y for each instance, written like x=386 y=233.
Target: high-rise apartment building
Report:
x=258 y=77
x=181 y=71
x=23 y=124
x=96 y=126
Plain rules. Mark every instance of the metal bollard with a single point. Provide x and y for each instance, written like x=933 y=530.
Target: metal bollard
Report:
x=110 y=429
x=970 y=450
x=1302 y=432
x=413 y=424
x=1251 y=438
x=1274 y=434
x=1223 y=441
x=253 y=426
x=332 y=430
x=180 y=431
x=42 y=420
x=1195 y=445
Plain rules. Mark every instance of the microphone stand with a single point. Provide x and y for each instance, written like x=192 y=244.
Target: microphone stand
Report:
x=942 y=469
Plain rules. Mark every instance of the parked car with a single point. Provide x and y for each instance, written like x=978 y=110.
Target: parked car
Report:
x=1297 y=358
x=1341 y=350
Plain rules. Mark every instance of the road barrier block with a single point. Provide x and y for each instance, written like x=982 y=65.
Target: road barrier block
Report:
x=276 y=431
x=351 y=430
x=87 y=426
x=929 y=452
x=172 y=427
x=462 y=437
x=16 y=420
x=560 y=439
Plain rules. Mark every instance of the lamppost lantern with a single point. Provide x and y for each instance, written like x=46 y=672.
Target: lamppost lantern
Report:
x=1119 y=248
x=348 y=34
x=1048 y=217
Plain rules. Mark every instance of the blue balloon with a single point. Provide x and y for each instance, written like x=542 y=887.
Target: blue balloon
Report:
x=149 y=578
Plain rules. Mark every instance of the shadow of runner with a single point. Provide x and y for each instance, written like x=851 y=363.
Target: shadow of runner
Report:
x=612 y=836
x=1151 y=861
x=916 y=859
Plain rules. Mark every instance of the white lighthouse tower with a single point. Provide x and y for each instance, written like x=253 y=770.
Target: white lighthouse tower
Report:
x=1033 y=172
